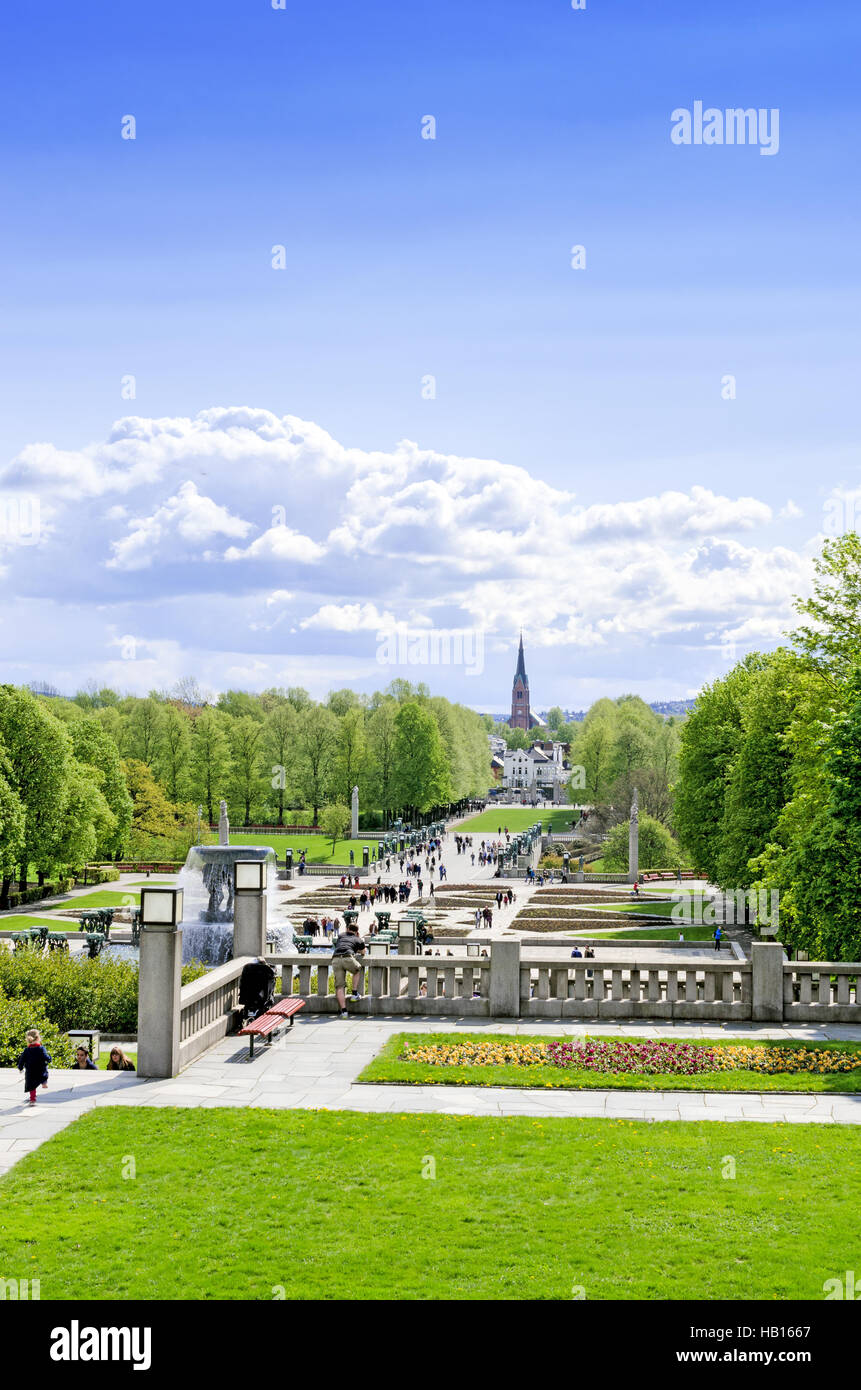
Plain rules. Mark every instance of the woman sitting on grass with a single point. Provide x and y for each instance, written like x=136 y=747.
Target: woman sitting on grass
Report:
x=118 y=1061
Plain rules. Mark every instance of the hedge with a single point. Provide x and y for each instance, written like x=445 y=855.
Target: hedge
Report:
x=35 y=892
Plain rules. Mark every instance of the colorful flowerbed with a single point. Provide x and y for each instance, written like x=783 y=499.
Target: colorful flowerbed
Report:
x=649 y=1058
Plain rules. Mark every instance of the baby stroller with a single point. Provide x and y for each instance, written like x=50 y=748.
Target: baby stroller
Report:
x=256 y=989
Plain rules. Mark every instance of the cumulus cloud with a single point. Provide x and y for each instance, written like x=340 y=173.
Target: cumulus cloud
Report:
x=269 y=524
x=182 y=524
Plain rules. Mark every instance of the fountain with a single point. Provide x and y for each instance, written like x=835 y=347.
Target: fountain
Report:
x=207 y=883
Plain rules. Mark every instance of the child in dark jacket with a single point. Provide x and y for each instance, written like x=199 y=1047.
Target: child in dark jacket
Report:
x=33 y=1062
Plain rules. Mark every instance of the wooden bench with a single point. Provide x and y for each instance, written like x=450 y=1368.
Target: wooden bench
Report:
x=268 y=1024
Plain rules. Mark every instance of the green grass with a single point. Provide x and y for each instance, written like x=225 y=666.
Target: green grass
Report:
x=17 y=922
x=319 y=849
x=148 y=882
x=647 y=933
x=517 y=1209
x=103 y=898
x=517 y=818
x=387 y=1067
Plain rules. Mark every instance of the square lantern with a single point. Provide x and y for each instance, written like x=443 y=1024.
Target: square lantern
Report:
x=249 y=876
x=473 y=948
x=161 y=909
x=407 y=928
x=378 y=948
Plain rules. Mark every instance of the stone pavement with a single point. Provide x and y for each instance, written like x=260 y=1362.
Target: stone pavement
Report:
x=315 y=1065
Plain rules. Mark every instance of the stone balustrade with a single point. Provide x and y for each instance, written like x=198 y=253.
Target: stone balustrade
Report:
x=505 y=985
x=550 y=988
x=457 y=985
x=207 y=1008
x=821 y=992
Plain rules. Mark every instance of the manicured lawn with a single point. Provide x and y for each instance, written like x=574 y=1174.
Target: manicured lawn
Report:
x=648 y=933
x=388 y=1067
x=319 y=849
x=148 y=882
x=103 y=898
x=517 y=818
x=231 y=1204
x=16 y=922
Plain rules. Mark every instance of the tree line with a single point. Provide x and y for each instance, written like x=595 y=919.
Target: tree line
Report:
x=769 y=787
x=102 y=774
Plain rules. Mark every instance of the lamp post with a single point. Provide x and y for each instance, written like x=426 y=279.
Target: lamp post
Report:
x=159 y=981
x=249 y=908
x=406 y=938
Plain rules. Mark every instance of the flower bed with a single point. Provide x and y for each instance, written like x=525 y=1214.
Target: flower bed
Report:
x=649 y=1058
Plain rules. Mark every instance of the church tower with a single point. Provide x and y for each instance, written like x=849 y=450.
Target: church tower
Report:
x=520 y=716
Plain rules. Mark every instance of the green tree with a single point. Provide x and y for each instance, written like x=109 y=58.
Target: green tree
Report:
x=421 y=775
x=381 y=754
x=279 y=734
x=145 y=724
x=657 y=848
x=210 y=761
x=12 y=827
x=172 y=765
x=316 y=734
x=244 y=736
x=349 y=754
x=335 y=821
x=39 y=763
x=96 y=751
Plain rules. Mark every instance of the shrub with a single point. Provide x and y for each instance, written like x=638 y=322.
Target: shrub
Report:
x=79 y=993
x=16 y=1016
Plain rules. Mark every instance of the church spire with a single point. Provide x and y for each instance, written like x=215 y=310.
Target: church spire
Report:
x=521 y=717
x=521 y=663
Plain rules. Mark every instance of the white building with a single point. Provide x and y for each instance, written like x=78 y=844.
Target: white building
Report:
x=536 y=773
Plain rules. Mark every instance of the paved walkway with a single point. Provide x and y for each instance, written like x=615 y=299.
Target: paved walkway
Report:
x=316 y=1064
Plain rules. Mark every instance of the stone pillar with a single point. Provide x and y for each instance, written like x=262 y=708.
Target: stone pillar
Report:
x=767 y=982
x=249 y=925
x=634 y=840
x=505 y=977
x=159 y=983
x=354 y=815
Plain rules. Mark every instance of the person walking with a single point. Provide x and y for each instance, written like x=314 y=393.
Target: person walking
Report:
x=718 y=935
x=33 y=1062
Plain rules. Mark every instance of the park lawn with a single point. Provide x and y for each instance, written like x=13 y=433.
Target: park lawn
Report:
x=319 y=849
x=18 y=922
x=86 y=902
x=429 y=1208
x=387 y=1067
x=517 y=818
x=647 y=933
x=148 y=882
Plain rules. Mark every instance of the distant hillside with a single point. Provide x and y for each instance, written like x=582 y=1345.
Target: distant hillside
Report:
x=663 y=707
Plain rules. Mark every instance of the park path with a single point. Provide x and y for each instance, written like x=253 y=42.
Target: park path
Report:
x=315 y=1066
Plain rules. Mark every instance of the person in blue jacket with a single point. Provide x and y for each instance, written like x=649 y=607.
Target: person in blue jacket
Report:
x=33 y=1062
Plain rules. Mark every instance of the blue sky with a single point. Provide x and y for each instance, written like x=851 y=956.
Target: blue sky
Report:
x=407 y=258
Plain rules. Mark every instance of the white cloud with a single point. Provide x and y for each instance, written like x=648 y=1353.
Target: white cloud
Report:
x=303 y=535
x=179 y=526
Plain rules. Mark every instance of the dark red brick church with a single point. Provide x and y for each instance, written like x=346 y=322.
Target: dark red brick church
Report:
x=521 y=717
